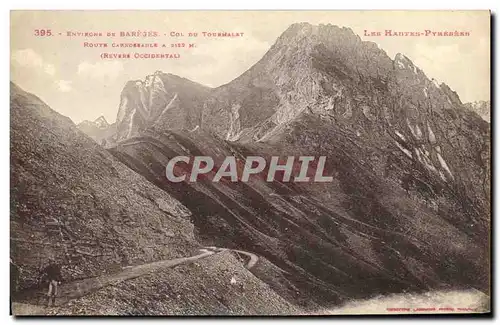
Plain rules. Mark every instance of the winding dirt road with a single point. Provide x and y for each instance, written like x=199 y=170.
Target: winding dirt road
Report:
x=253 y=258
x=79 y=288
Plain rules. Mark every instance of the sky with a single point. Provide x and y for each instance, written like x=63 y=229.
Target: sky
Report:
x=76 y=82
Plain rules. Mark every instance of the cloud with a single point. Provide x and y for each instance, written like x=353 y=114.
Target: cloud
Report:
x=28 y=58
x=100 y=70
x=64 y=85
x=39 y=69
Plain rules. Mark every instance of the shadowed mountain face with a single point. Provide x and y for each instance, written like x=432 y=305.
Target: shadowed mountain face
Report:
x=409 y=207
x=72 y=201
x=115 y=235
x=359 y=236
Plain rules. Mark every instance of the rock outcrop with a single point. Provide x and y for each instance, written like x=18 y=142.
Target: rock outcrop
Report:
x=162 y=100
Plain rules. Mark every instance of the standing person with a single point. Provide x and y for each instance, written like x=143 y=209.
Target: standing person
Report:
x=53 y=274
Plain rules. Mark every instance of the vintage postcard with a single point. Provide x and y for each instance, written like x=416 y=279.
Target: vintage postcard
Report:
x=250 y=163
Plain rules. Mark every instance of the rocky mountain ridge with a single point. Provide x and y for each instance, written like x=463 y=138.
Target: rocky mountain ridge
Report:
x=323 y=70
x=161 y=100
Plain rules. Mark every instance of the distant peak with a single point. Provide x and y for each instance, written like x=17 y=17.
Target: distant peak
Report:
x=100 y=119
x=101 y=122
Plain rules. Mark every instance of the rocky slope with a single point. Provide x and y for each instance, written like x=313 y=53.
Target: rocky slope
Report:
x=409 y=207
x=99 y=130
x=201 y=288
x=482 y=108
x=74 y=202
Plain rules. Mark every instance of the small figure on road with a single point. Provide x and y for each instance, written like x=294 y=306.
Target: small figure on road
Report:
x=53 y=274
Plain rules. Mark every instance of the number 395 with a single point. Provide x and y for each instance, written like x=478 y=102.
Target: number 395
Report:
x=43 y=32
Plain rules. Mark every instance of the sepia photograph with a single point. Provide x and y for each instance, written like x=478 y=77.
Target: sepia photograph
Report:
x=243 y=163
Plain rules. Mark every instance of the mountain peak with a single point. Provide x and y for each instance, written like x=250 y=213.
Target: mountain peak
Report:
x=321 y=32
x=305 y=27
x=101 y=122
x=161 y=99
